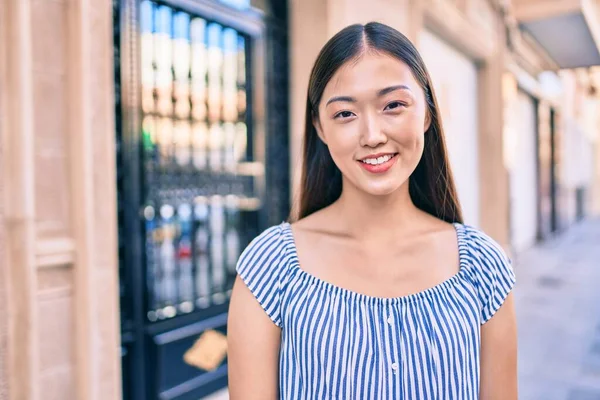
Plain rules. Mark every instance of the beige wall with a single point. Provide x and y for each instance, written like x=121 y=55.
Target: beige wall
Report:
x=472 y=26
x=3 y=260
x=3 y=298
x=3 y=292
x=60 y=211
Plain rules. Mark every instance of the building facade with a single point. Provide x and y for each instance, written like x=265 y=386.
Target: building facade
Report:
x=97 y=178
x=59 y=260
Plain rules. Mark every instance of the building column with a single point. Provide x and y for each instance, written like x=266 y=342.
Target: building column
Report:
x=3 y=253
x=493 y=178
x=93 y=198
x=18 y=199
x=595 y=126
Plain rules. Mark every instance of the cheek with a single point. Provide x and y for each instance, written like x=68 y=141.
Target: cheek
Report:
x=409 y=134
x=341 y=140
x=411 y=147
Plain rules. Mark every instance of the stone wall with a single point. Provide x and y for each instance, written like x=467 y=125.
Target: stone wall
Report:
x=60 y=225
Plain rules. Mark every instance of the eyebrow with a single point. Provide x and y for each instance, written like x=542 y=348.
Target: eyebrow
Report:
x=390 y=89
x=382 y=92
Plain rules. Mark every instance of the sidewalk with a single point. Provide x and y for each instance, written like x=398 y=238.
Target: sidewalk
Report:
x=558 y=310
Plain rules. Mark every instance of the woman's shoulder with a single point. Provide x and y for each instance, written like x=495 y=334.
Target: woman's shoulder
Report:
x=489 y=268
x=269 y=240
x=273 y=233
x=484 y=258
x=481 y=245
x=266 y=251
x=262 y=266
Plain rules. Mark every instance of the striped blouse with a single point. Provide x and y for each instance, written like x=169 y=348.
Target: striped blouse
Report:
x=339 y=344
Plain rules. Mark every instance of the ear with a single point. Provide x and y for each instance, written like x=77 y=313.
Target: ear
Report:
x=427 y=120
x=318 y=128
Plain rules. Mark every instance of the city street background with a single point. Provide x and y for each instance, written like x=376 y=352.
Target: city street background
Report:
x=558 y=309
x=144 y=143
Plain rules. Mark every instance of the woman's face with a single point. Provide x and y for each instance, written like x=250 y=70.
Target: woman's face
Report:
x=372 y=117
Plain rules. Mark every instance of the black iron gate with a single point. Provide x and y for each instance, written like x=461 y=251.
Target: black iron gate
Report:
x=202 y=142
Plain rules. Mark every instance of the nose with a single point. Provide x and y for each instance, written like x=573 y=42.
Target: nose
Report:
x=371 y=133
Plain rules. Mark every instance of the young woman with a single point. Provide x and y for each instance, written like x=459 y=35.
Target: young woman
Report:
x=377 y=290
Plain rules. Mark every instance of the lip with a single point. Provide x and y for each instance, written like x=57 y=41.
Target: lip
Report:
x=379 y=168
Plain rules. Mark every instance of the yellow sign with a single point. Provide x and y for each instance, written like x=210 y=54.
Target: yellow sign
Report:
x=208 y=352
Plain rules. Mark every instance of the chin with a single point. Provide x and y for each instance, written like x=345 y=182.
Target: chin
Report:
x=378 y=186
x=381 y=189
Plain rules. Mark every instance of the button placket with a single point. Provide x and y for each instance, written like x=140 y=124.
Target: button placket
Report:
x=390 y=321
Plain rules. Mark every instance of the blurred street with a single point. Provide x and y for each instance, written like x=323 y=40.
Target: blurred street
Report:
x=145 y=143
x=558 y=310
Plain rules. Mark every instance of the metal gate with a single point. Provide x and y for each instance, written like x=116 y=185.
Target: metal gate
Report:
x=202 y=142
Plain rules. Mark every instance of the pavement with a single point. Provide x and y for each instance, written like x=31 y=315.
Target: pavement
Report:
x=557 y=298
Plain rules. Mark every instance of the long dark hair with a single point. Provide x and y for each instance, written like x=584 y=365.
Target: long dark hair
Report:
x=431 y=185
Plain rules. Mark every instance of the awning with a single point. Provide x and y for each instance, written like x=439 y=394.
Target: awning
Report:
x=568 y=30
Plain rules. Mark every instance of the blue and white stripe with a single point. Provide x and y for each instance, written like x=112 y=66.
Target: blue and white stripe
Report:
x=339 y=344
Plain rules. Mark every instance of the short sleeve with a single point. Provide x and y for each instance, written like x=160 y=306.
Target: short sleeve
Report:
x=492 y=271
x=261 y=266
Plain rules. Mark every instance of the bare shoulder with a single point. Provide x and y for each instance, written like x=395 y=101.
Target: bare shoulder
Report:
x=433 y=241
x=485 y=246
x=431 y=227
x=317 y=237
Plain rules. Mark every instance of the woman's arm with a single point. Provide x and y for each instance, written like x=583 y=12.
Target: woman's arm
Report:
x=253 y=348
x=499 y=354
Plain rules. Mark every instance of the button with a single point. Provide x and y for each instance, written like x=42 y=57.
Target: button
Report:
x=395 y=366
x=390 y=320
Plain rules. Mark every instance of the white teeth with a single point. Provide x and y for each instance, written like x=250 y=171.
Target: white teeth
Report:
x=376 y=161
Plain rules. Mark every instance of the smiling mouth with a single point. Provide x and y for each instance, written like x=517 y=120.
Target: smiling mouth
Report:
x=378 y=160
x=380 y=164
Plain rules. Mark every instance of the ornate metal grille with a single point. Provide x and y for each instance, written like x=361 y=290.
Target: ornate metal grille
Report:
x=199 y=173
x=197 y=162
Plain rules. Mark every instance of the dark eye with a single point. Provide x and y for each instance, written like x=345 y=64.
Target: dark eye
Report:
x=394 y=105
x=344 y=114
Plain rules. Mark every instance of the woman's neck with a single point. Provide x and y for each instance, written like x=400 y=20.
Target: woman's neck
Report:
x=364 y=215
